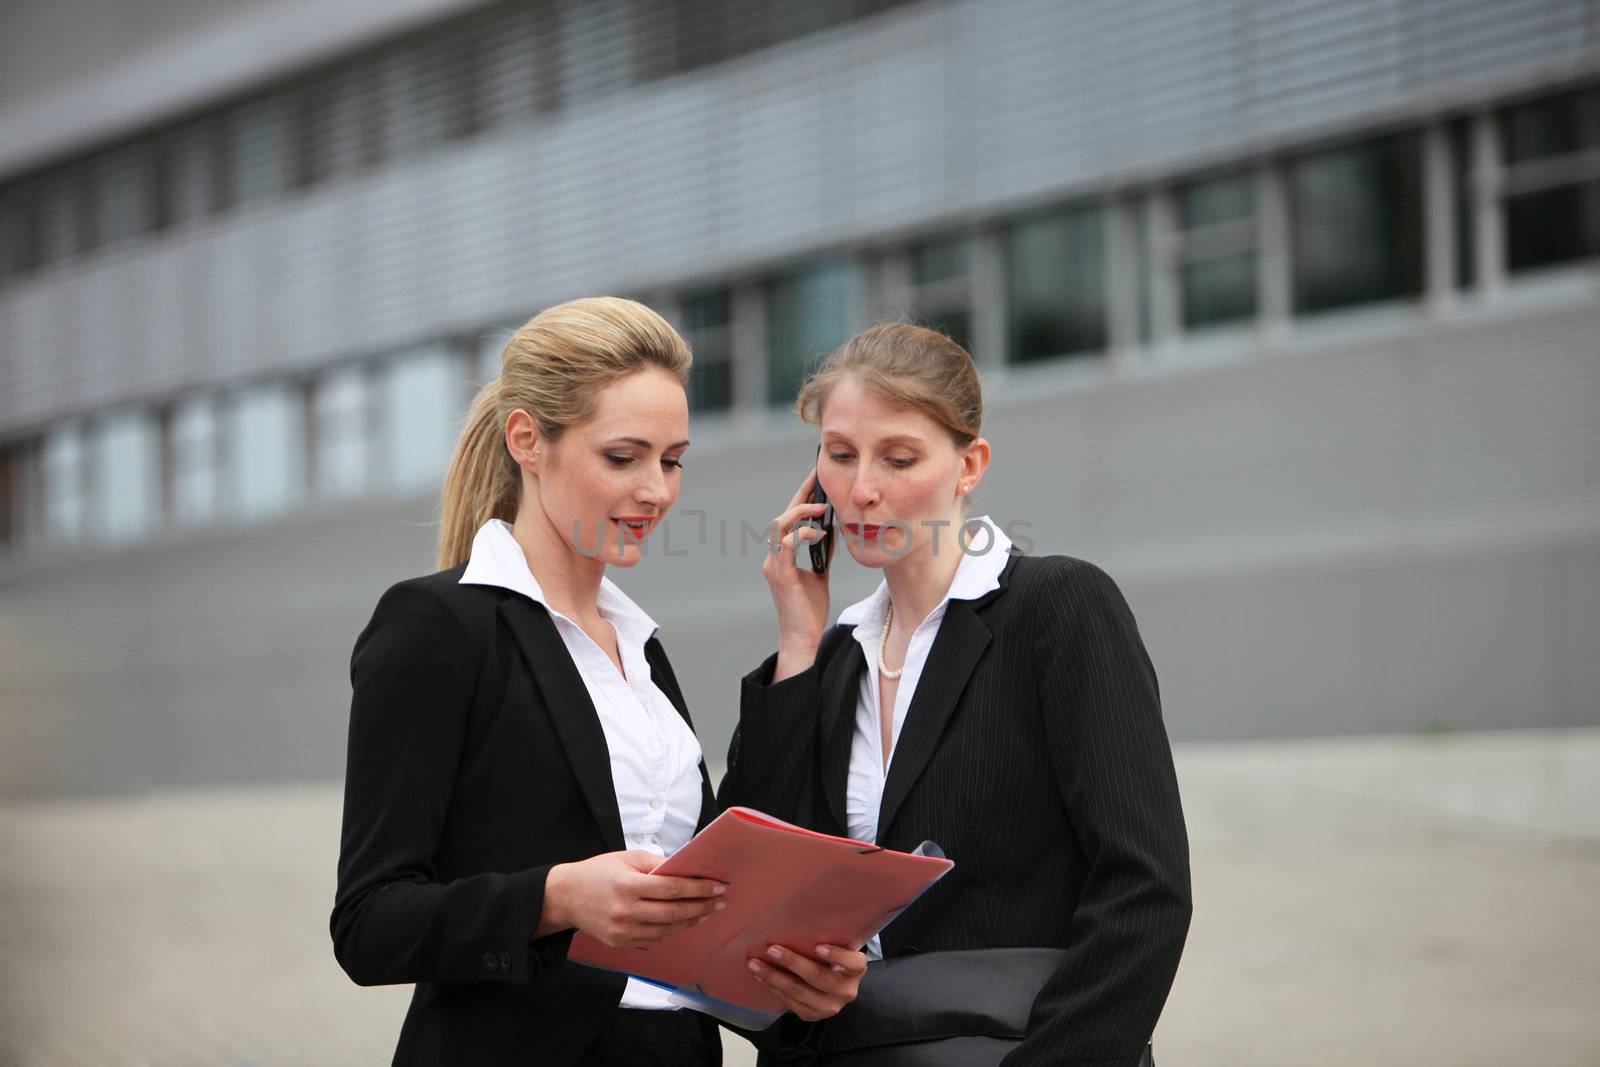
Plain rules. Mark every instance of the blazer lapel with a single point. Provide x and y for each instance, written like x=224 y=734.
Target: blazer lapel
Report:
x=841 y=682
x=567 y=698
x=959 y=644
x=667 y=682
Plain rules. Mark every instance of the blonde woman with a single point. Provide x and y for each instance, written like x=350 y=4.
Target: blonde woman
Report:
x=520 y=754
x=997 y=703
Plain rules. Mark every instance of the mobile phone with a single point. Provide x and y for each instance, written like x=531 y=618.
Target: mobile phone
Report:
x=822 y=547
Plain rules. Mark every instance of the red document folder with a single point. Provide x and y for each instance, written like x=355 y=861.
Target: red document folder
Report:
x=786 y=886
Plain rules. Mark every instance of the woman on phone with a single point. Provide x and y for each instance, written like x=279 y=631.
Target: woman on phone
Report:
x=998 y=704
x=520 y=754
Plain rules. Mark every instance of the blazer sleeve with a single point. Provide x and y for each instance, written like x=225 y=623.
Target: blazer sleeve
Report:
x=1113 y=763
x=772 y=759
x=413 y=675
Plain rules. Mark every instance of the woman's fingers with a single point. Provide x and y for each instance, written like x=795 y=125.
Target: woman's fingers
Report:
x=830 y=978
x=787 y=530
x=810 y=989
x=673 y=887
x=662 y=912
x=844 y=961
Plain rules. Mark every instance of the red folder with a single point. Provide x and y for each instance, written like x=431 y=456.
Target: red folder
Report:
x=787 y=886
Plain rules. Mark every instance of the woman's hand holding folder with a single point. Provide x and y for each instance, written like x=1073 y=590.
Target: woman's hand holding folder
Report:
x=615 y=899
x=810 y=989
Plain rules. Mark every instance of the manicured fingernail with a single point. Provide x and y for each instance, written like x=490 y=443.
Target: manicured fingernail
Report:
x=822 y=950
x=718 y=890
x=755 y=968
x=721 y=905
x=774 y=953
x=837 y=969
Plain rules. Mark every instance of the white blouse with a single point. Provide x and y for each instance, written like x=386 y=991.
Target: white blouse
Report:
x=977 y=573
x=655 y=756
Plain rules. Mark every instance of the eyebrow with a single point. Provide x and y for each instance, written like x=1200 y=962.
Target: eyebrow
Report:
x=892 y=439
x=642 y=443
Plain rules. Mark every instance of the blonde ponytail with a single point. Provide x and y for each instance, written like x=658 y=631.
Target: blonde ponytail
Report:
x=553 y=368
x=482 y=482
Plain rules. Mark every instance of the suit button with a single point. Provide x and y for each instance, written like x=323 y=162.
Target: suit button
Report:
x=505 y=963
x=489 y=962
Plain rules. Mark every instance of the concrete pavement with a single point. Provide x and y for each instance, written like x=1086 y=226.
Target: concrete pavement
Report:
x=1390 y=900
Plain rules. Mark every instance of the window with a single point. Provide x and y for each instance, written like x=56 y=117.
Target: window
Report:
x=1056 y=284
x=13 y=462
x=127 y=464
x=809 y=314
x=21 y=231
x=707 y=326
x=263 y=450
x=192 y=461
x=260 y=145
x=124 y=194
x=316 y=134
x=941 y=284
x=1356 y=224
x=1459 y=135
x=63 y=485
x=420 y=415
x=339 y=411
x=1551 y=150
x=1217 y=249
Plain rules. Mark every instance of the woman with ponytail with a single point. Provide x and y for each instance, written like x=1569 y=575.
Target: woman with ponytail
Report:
x=520 y=753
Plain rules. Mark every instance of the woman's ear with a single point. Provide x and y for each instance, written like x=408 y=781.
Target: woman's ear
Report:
x=523 y=441
x=974 y=461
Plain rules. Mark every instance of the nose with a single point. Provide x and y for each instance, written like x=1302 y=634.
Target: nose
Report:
x=863 y=494
x=655 y=491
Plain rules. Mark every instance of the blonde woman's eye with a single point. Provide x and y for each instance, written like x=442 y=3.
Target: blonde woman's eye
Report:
x=618 y=461
x=902 y=462
x=840 y=457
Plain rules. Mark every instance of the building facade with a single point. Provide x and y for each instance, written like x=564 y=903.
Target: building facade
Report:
x=1288 y=314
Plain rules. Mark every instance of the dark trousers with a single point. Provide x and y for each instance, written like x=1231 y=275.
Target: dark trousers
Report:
x=635 y=1038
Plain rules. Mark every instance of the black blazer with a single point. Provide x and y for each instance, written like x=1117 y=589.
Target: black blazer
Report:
x=476 y=762
x=1034 y=754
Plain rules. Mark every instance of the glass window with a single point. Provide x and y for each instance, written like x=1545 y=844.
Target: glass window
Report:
x=420 y=415
x=63 y=485
x=1056 y=284
x=1466 y=215
x=316 y=134
x=127 y=464
x=13 y=460
x=707 y=321
x=491 y=346
x=192 y=448
x=264 y=450
x=339 y=408
x=1217 y=253
x=260 y=144
x=809 y=314
x=21 y=231
x=1356 y=224
x=123 y=194
x=942 y=287
x=1552 y=182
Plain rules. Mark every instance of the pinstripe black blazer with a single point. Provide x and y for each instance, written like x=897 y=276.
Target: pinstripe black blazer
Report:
x=1034 y=754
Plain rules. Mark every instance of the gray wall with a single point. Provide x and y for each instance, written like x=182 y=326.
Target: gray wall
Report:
x=1340 y=535
x=935 y=111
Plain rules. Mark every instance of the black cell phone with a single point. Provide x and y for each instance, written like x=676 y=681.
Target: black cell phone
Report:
x=822 y=547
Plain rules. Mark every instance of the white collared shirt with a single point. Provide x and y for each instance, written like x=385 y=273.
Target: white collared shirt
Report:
x=655 y=757
x=976 y=574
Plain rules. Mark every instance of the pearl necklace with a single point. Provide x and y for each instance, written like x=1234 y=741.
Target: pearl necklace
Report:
x=883 y=642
